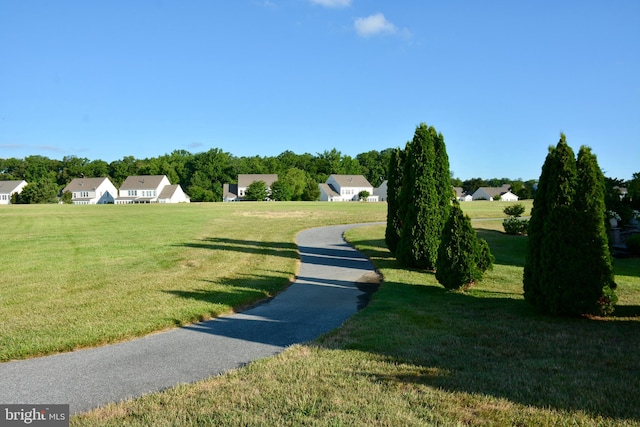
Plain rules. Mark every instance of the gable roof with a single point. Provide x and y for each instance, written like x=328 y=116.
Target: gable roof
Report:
x=142 y=182
x=8 y=187
x=351 y=180
x=328 y=190
x=169 y=191
x=84 y=184
x=244 y=180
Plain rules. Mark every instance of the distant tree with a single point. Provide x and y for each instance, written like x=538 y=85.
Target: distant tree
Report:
x=281 y=191
x=462 y=258
x=39 y=192
x=296 y=180
x=311 y=190
x=633 y=191
x=471 y=185
x=257 y=191
x=394 y=212
x=363 y=195
x=67 y=197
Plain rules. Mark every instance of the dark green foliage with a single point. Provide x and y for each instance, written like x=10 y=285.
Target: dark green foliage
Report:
x=257 y=191
x=363 y=195
x=514 y=225
x=39 y=192
x=311 y=192
x=423 y=221
x=515 y=210
x=633 y=244
x=593 y=269
x=281 y=191
x=567 y=269
x=67 y=197
x=394 y=184
x=462 y=257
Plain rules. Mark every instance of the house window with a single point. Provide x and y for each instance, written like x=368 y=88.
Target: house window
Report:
x=133 y=192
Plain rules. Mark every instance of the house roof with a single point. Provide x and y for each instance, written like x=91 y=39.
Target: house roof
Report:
x=351 y=180
x=169 y=191
x=84 y=184
x=8 y=187
x=244 y=180
x=230 y=191
x=142 y=182
x=494 y=191
x=328 y=190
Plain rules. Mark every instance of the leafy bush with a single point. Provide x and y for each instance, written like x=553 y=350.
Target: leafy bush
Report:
x=514 y=225
x=633 y=244
x=514 y=210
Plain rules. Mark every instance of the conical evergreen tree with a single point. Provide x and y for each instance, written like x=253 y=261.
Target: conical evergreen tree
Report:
x=568 y=265
x=442 y=176
x=462 y=257
x=422 y=222
x=593 y=283
x=394 y=208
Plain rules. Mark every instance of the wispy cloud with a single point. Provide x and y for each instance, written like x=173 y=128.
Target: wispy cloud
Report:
x=332 y=3
x=373 y=25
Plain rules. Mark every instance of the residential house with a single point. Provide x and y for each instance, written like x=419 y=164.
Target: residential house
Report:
x=492 y=193
x=173 y=194
x=343 y=188
x=235 y=192
x=7 y=188
x=149 y=189
x=461 y=195
x=91 y=191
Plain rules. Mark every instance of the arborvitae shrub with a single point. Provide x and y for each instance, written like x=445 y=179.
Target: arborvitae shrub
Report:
x=462 y=258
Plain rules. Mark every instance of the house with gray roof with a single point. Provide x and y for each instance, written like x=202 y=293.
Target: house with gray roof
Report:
x=8 y=188
x=91 y=191
x=343 y=188
x=495 y=193
x=149 y=189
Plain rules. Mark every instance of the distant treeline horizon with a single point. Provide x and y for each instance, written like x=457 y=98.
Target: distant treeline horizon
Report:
x=202 y=175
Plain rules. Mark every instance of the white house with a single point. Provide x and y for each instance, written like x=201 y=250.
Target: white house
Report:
x=173 y=194
x=7 y=188
x=91 y=191
x=491 y=193
x=461 y=195
x=149 y=189
x=343 y=188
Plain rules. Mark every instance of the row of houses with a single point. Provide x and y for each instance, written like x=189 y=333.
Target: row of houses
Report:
x=99 y=191
x=158 y=189
x=338 y=188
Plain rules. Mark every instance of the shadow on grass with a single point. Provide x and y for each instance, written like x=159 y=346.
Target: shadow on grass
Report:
x=495 y=344
x=288 y=250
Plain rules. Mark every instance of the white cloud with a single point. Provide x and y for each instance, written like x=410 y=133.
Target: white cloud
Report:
x=332 y=3
x=373 y=25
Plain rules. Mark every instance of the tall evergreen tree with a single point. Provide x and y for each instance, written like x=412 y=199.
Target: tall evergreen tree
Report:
x=394 y=184
x=593 y=285
x=568 y=269
x=424 y=218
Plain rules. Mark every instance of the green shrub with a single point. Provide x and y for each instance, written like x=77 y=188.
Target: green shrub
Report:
x=633 y=244
x=514 y=225
x=514 y=210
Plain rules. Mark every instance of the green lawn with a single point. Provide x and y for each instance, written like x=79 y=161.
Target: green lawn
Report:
x=78 y=276
x=417 y=355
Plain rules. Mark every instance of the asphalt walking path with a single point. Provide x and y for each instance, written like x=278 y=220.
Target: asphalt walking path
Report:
x=331 y=286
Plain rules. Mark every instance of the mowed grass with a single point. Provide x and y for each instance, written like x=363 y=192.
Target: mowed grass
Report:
x=80 y=276
x=419 y=355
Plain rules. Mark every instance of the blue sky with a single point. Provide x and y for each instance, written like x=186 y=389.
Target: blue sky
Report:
x=499 y=79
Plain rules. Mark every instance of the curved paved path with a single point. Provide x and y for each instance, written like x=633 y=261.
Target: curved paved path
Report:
x=325 y=293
